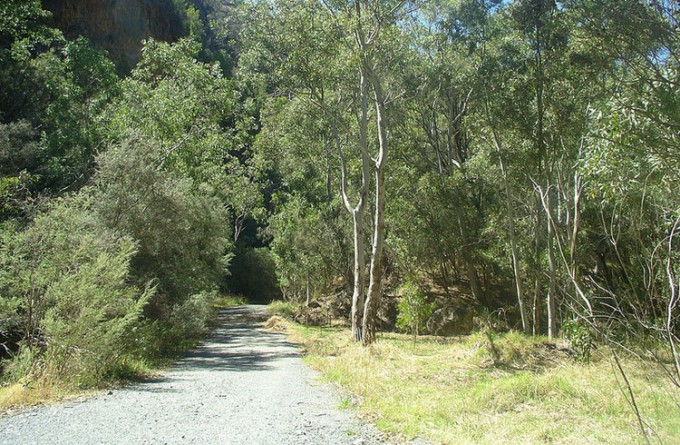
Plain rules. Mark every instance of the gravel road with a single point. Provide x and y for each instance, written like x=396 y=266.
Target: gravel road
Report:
x=242 y=386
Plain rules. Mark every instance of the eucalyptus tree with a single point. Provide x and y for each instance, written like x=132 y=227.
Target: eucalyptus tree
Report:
x=527 y=112
x=372 y=32
x=297 y=50
x=564 y=80
x=308 y=234
x=442 y=90
x=534 y=101
x=486 y=28
x=631 y=162
x=332 y=55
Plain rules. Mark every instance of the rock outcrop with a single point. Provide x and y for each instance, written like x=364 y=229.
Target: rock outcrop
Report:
x=452 y=320
x=117 y=26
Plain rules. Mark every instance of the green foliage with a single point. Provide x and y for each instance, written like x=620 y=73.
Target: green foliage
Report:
x=74 y=280
x=127 y=266
x=505 y=115
x=20 y=158
x=21 y=367
x=23 y=27
x=180 y=104
x=67 y=281
x=580 y=337
x=191 y=112
x=187 y=322
x=413 y=309
x=307 y=243
x=180 y=231
x=80 y=81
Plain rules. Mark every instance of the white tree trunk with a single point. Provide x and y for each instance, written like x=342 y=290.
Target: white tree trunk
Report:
x=375 y=280
x=308 y=292
x=359 y=263
x=511 y=231
x=357 y=211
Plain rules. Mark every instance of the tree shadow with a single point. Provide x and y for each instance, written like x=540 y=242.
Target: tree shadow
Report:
x=238 y=345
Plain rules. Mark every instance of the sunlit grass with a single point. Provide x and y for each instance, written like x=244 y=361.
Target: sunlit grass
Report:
x=41 y=387
x=282 y=308
x=17 y=396
x=229 y=300
x=458 y=390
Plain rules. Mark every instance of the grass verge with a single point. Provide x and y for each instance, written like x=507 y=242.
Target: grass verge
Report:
x=34 y=390
x=493 y=389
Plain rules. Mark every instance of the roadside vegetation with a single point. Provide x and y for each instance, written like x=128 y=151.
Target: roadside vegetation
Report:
x=492 y=387
x=24 y=386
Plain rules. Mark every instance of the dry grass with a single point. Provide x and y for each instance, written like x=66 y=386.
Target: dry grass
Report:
x=275 y=323
x=19 y=396
x=503 y=389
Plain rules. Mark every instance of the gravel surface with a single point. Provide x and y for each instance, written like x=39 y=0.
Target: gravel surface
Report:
x=242 y=386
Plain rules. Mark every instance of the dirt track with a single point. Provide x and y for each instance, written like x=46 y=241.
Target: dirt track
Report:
x=242 y=386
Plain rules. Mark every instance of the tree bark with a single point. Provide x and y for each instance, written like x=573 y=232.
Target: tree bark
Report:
x=469 y=263
x=552 y=326
x=511 y=232
x=359 y=263
x=375 y=280
x=357 y=211
x=544 y=164
x=374 y=286
x=538 y=272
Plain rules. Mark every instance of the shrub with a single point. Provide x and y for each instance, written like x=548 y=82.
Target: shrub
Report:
x=580 y=337
x=413 y=309
x=189 y=320
x=69 y=278
x=181 y=232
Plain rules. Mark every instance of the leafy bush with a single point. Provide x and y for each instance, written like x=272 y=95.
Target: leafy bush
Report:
x=181 y=232
x=413 y=309
x=307 y=247
x=182 y=238
x=67 y=279
x=190 y=319
x=580 y=337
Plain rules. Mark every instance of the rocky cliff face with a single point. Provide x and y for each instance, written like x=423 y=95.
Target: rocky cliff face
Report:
x=118 y=26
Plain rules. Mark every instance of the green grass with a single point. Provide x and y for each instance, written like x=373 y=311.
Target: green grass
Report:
x=457 y=390
x=43 y=389
x=282 y=308
x=229 y=300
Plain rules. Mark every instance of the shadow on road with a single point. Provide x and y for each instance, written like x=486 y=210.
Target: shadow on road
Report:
x=237 y=345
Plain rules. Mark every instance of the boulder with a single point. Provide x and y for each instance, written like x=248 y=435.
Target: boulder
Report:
x=451 y=320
